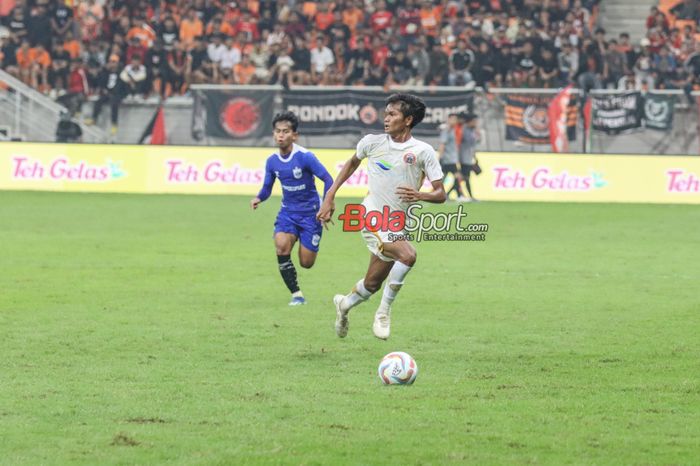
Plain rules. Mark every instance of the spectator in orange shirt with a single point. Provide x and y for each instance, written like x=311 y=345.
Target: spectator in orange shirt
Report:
x=190 y=27
x=24 y=61
x=232 y=13
x=72 y=46
x=354 y=16
x=218 y=26
x=40 y=63
x=324 y=17
x=309 y=9
x=90 y=15
x=142 y=31
x=430 y=18
x=244 y=71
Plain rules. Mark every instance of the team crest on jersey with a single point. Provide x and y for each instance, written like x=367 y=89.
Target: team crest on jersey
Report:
x=296 y=172
x=277 y=173
x=315 y=240
x=409 y=158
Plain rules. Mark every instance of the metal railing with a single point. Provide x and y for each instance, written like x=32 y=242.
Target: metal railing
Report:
x=32 y=116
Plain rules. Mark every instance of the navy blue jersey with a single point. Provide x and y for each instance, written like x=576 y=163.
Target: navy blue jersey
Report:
x=296 y=174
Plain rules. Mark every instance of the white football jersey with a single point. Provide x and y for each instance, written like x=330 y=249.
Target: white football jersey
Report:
x=392 y=164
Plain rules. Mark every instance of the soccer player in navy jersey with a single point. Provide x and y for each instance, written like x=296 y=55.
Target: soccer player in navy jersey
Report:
x=295 y=167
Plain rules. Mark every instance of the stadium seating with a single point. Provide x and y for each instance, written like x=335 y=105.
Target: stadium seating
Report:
x=64 y=49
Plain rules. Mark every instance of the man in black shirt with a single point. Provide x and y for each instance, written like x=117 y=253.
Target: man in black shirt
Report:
x=58 y=73
x=169 y=33
x=61 y=19
x=110 y=90
x=198 y=55
x=8 y=49
x=301 y=69
x=548 y=68
x=339 y=31
x=400 y=67
x=17 y=23
x=461 y=61
x=359 y=63
x=692 y=67
x=526 y=65
x=156 y=62
x=39 y=27
x=439 y=65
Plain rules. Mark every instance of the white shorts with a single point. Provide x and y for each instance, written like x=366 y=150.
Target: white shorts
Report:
x=375 y=241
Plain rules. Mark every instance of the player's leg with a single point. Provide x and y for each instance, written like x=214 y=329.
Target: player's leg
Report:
x=456 y=185
x=377 y=272
x=310 y=232
x=284 y=242
x=286 y=234
x=404 y=255
x=466 y=170
x=307 y=258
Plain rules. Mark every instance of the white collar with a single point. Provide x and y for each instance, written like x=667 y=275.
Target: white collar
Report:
x=400 y=145
x=295 y=149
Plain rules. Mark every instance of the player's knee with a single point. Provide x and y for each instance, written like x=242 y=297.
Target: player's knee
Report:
x=408 y=257
x=283 y=250
x=307 y=263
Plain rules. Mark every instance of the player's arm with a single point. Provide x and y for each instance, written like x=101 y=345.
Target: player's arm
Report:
x=436 y=196
x=266 y=188
x=328 y=206
x=320 y=172
x=434 y=173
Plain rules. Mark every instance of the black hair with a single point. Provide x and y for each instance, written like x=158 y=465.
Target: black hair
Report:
x=409 y=105
x=466 y=116
x=286 y=116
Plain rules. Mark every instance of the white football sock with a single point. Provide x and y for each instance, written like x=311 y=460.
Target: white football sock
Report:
x=393 y=284
x=358 y=294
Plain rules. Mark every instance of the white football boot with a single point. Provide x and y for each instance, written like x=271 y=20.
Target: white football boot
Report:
x=341 y=317
x=382 y=323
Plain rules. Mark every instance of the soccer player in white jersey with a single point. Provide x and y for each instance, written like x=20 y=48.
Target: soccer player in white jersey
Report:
x=397 y=165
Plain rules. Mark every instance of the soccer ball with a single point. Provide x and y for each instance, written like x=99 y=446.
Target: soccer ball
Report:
x=398 y=368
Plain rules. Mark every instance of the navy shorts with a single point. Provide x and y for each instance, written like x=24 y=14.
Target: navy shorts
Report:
x=303 y=225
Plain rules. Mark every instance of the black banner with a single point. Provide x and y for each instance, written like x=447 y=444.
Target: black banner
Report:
x=527 y=118
x=357 y=111
x=658 y=111
x=615 y=113
x=239 y=114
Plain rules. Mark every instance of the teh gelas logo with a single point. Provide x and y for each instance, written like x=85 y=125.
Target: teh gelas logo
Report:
x=240 y=117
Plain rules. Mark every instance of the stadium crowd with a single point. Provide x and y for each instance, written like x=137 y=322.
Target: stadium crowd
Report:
x=113 y=48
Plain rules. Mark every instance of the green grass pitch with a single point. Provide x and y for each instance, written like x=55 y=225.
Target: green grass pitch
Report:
x=155 y=329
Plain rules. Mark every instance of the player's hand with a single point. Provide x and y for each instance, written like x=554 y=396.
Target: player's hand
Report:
x=325 y=213
x=407 y=194
x=254 y=203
